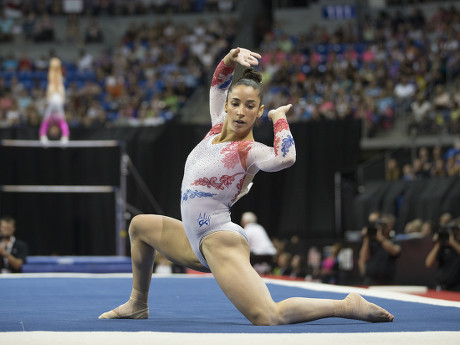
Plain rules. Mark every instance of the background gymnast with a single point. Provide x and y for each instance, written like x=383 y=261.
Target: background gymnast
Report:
x=55 y=96
x=217 y=173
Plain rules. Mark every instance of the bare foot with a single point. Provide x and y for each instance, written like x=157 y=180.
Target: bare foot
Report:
x=357 y=308
x=129 y=310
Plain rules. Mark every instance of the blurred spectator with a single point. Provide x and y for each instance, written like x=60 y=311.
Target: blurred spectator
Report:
x=25 y=63
x=261 y=247
x=85 y=61
x=404 y=91
x=330 y=264
x=438 y=168
x=6 y=27
x=427 y=229
x=298 y=266
x=378 y=253
x=445 y=254
x=93 y=33
x=283 y=264
x=44 y=29
x=28 y=26
x=452 y=158
x=10 y=63
x=419 y=170
x=313 y=263
x=13 y=252
x=392 y=173
x=445 y=218
x=442 y=104
x=414 y=228
x=420 y=118
x=73 y=29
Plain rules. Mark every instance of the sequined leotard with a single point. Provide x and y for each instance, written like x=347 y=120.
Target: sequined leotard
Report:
x=217 y=175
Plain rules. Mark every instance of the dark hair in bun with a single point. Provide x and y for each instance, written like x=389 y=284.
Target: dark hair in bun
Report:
x=250 y=77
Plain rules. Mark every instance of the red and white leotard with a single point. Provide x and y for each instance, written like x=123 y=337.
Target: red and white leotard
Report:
x=217 y=175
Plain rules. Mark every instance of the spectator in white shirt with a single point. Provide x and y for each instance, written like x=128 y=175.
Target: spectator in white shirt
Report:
x=262 y=249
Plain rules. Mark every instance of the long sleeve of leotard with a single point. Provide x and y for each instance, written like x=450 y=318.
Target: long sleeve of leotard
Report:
x=221 y=81
x=281 y=156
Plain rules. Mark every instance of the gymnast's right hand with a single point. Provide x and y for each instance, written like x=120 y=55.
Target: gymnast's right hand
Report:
x=241 y=56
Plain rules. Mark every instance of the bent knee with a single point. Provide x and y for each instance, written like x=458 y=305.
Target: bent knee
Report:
x=143 y=222
x=266 y=317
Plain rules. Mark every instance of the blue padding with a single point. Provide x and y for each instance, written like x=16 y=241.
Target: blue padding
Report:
x=188 y=304
x=88 y=264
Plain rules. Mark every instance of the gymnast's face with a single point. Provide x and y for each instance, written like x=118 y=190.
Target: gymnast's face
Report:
x=243 y=108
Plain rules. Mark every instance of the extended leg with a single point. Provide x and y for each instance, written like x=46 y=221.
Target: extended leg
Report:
x=44 y=129
x=148 y=233
x=227 y=254
x=64 y=129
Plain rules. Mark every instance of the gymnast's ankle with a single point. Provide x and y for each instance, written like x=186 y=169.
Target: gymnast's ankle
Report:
x=135 y=308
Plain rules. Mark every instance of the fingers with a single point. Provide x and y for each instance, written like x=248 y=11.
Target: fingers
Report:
x=245 y=57
x=280 y=110
x=283 y=109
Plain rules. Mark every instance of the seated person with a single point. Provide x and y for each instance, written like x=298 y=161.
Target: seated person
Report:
x=13 y=252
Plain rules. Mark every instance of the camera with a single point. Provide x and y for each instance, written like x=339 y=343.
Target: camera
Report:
x=372 y=227
x=445 y=231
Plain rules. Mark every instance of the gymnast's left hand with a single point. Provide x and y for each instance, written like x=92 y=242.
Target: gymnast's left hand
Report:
x=279 y=113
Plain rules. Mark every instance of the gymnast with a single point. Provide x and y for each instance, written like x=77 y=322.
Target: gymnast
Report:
x=218 y=172
x=55 y=95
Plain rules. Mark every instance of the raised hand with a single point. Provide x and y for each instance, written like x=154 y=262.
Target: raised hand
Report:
x=279 y=112
x=242 y=56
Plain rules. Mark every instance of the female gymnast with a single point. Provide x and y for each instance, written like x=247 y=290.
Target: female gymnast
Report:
x=217 y=173
x=55 y=96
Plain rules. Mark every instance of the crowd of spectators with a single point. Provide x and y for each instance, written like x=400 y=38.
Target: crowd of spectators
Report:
x=115 y=7
x=427 y=163
x=144 y=80
x=394 y=66
x=374 y=73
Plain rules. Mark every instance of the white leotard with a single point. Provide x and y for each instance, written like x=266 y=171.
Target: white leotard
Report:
x=217 y=175
x=55 y=105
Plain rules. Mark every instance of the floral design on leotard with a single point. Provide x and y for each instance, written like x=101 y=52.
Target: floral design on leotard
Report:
x=195 y=194
x=222 y=77
x=236 y=152
x=224 y=181
x=214 y=130
x=286 y=144
x=279 y=126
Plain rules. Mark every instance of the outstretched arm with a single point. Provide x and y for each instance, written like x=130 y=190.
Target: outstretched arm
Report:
x=222 y=79
x=283 y=154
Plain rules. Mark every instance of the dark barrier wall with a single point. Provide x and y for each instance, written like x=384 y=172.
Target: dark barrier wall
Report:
x=426 y=199
x=299 y=200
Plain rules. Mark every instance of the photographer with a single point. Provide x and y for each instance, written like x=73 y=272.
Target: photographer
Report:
x=13 y=252
x=377 y=256
x=446 y=253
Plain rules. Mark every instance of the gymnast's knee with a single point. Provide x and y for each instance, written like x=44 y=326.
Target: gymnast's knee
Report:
x=141 y=223
x=266 y=317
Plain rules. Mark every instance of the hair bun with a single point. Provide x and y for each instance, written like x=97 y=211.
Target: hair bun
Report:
x=252 y=74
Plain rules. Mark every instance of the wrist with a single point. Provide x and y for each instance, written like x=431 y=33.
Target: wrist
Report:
x=278 y=116
x=229 y=62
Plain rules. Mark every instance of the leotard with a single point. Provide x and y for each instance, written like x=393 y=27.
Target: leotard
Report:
x=217 y=175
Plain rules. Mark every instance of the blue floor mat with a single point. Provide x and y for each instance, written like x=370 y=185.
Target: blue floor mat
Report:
x=183 y=305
